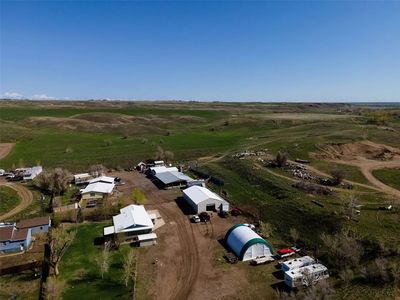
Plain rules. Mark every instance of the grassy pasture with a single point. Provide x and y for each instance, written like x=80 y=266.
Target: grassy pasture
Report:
x=390 y=177
x=8 y=199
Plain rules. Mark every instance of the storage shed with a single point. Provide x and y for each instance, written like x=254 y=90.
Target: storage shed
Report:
x=202 y=199
x=247 y=244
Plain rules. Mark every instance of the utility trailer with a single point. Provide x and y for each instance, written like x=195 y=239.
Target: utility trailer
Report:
x=261 y=260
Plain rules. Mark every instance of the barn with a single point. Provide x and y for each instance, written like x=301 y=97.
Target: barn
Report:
x=246 y=244
x=202 y=199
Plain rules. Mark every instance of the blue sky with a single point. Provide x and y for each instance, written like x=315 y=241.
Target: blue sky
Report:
x=233 y=51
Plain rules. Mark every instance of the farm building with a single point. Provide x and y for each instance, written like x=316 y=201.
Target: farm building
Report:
x=306 y=275
x=172 y=178
x=13 y=239
x=161 y=169
x=82 y=178
x=202 y=199
x=40 y=224
x=134 y=223
x=297 y=263
x=98 y=188
x=247 y=244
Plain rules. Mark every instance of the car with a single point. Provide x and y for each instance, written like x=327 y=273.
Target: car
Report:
x=204 y=216
x=195 y=219
x=15 y=178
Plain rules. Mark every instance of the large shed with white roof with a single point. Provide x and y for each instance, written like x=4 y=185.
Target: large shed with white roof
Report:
x=202 y=199
x=247 y=244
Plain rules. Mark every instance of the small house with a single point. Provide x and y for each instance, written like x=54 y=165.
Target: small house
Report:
x=37 y=225
x=98 y=188
x=13 y=239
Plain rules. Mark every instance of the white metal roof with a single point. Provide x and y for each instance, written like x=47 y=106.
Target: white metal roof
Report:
x=172 y=176
x=239 y=236
x=132 y=217
x=108 y=230
x=297 y=263
x=98 y=187
x=147 y=237
x=162 y=169
x=105 y=179
x=31 y=173
x=82 y=175
x=311 y=269
x=199 y=194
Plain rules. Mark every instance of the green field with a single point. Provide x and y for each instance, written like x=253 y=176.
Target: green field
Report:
x=8 y=199
x=390 y=177
x=81 y=274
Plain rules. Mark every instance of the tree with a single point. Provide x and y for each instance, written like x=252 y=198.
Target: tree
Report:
x=349 y=206
x=59 y=241
x=338 y=176
x=160 y=153
x=138 y=197
x=55 y=182
x=130 y=262
x=266 y=229
x=97 y=170
x=103 y=261
x=294 y=235
x=169 y=155
x=281 y=159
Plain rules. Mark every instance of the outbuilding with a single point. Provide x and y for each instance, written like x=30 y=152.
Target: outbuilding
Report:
x=202 y=199
x=37 y=225
x=247 y=244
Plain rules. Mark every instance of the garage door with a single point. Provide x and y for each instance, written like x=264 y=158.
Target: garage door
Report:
x=210 y=207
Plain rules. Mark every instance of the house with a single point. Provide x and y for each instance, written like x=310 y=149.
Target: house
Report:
x=297 y=263
x=202 y=199
x=306 y=275
x=98 y=188
x=246 y=244
x=31 y=173
x=133 y=223
x=40 y=224
x=82 y=178
x=171 y=178
x=13 y=239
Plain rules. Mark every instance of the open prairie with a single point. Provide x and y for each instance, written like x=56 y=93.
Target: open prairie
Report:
x=362 y=141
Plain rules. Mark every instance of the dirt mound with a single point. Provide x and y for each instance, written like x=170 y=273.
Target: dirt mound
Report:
x=105 y=118
x=351 y=151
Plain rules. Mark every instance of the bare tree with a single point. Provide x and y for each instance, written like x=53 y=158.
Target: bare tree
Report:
x=160 y=153
x=59 y=241
x=266 y=229
x=349 y=206
x=281 y=159
x=169 y=155
x=97 y=170
x=294 y=235
x=130 y=262
x=55 y=182
x=338 y=176
x=53 y=288
x=103 y=261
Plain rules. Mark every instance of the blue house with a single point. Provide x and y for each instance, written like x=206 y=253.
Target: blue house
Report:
x=13 y=239
x=40 y=224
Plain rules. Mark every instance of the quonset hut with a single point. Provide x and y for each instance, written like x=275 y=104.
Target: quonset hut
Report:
x=247 y=244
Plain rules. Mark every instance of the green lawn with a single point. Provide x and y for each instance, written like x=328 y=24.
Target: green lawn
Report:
x=351 y=172
x=81 y=274
x=390 y=177
x=8 y=199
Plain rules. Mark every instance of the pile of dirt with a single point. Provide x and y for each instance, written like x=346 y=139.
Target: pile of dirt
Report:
x=351 y=151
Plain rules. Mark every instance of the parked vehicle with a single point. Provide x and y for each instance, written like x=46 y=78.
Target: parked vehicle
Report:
x=285 y=252
x=92 y=203
x=223 y=214
x=261 y=260
x=195 y=219
x=204 y=216
x=9 y=176
x=15 y=178
x=235 y=212
x=231 y=258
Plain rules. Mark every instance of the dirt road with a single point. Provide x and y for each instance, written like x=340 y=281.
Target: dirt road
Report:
x=25 y=195
x=5 y=148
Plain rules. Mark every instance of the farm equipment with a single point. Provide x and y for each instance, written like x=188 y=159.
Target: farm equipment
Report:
x=261 y=260
x=231 y=258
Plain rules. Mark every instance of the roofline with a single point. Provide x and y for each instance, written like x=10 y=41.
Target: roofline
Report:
x=251 y=243
x=232 y=229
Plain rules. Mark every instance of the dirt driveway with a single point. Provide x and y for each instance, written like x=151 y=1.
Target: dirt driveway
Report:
x=25 y=195
x=187 y=253
x=5 y=148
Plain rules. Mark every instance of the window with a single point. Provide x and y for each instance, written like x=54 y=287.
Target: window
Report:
x=92 y=194
x=41 y=227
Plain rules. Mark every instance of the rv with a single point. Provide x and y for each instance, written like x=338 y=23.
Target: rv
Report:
x=307 y=275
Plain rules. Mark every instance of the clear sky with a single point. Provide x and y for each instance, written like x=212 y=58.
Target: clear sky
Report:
x=233 y=51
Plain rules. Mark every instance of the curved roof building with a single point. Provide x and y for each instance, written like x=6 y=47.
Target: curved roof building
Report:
x=247 y=244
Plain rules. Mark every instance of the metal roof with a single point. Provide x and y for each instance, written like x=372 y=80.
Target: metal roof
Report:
x=98 y=187
x=199 y=194
x=297 y=263
x=147 y=237
x=172 y=176
x=132 y=217
x=105 y=179
x=311 y=269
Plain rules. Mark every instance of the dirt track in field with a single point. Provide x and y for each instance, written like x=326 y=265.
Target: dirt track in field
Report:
x=25 y=195
x=5 y=148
